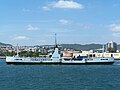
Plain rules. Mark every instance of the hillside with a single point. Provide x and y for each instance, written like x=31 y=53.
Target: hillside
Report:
x=82 y=47
x=3 y=44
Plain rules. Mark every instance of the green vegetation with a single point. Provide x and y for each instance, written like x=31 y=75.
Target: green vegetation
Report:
x=23 y=53
x=31 y=54
x=111 y=50
x=6 y=53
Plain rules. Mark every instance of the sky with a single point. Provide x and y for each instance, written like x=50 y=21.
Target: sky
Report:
x=35 y=22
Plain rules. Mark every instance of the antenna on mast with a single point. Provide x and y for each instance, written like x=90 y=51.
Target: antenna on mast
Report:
x=55 y=41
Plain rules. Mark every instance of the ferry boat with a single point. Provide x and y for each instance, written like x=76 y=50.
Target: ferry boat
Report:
x=57 y=59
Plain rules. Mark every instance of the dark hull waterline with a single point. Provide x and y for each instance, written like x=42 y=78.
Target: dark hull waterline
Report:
x=87 y=63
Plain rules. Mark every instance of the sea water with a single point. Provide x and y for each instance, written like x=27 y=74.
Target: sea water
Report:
x=59 y=77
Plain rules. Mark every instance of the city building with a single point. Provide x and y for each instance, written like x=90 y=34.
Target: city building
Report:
x=111 y=47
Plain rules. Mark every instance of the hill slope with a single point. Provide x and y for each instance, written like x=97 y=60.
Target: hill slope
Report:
x=82 y=47
x=3 y=44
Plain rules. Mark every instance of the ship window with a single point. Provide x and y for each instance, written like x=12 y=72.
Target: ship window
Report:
x=104 y=59
x=18 y=59
x=111 y=55
x=116 y=54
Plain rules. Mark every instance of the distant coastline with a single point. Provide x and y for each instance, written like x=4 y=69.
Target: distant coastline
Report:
x=2 y=57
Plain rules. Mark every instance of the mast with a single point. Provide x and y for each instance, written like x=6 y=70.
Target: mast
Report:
x=17 y=51
x=56 y=56
x=103 y=51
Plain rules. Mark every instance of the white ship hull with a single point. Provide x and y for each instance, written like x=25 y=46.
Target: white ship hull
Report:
x=100 y=60
x=29 y=60
x=37 y=60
